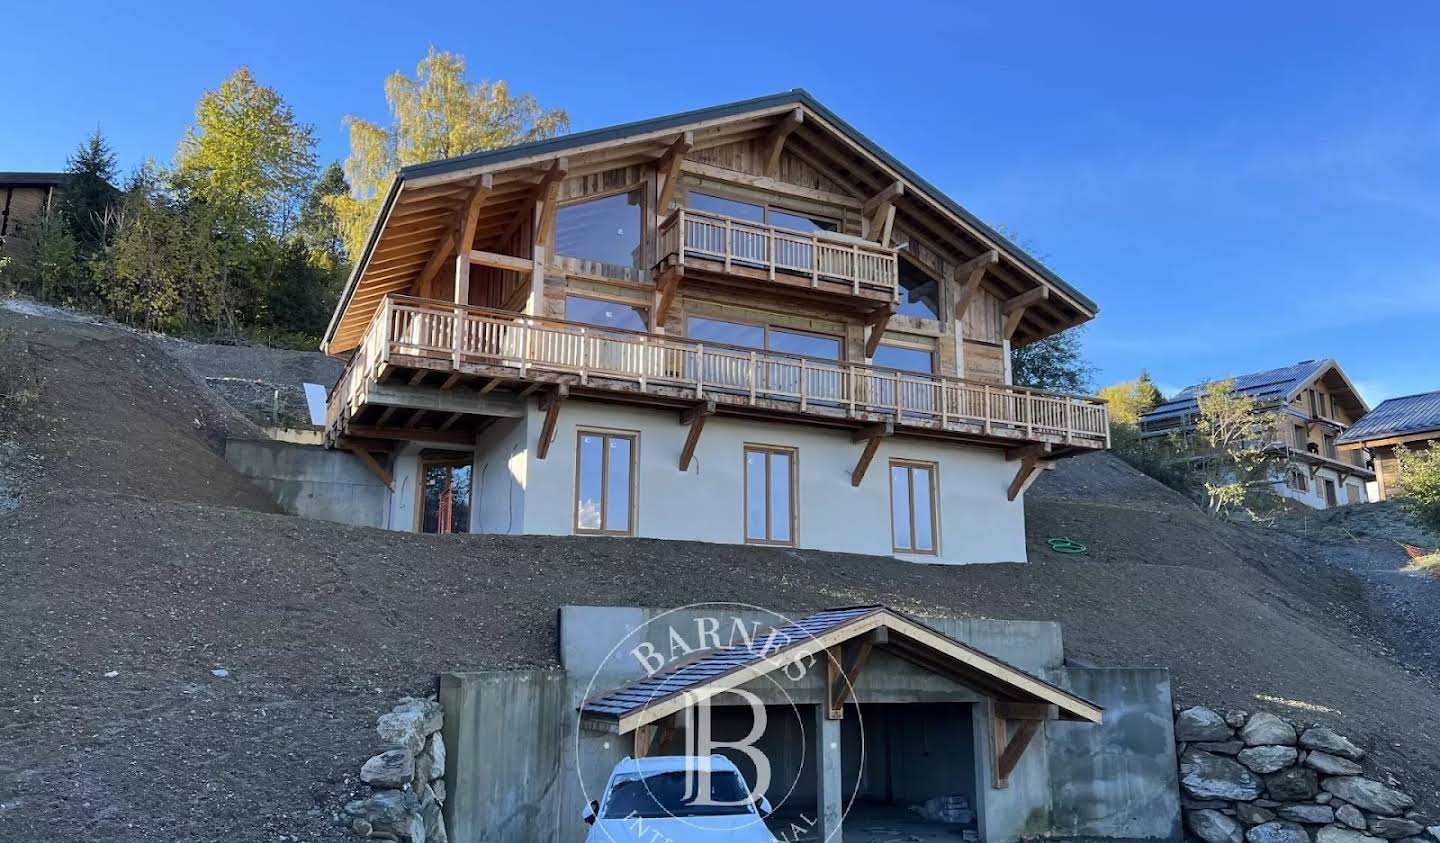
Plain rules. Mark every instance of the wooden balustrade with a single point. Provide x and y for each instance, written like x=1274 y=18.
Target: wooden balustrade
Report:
x=462 y=336
x=865 y=266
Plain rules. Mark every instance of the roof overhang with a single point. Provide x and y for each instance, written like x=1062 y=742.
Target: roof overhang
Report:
x=1329 y=370
x=671 y=691
x=421 y=194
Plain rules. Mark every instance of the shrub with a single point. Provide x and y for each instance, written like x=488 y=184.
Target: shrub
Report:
x=1419 y=483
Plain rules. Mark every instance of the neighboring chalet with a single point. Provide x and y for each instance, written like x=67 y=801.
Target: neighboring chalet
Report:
x=26 y=199
x=746 y=323
x=1412 y=421
x=1318 y=403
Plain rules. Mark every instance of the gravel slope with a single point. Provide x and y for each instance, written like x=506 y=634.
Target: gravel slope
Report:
x=137 y=551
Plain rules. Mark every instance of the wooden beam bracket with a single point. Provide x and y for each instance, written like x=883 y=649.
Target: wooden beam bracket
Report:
x=1008 y=748
x=550 y=405
x=1014 y=308
x=669 y=170
x=871 y=436
x=775 y=143
x=694 y=417
x=969 y=274
x=1030 y=467
x=876 y=323
x=843 y=664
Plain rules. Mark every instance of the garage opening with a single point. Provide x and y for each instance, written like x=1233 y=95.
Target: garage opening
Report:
x=916 y=778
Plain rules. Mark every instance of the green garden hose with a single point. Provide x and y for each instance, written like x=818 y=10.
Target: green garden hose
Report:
x=1063 y=545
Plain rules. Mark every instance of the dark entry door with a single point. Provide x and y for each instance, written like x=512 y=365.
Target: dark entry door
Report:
x=1330 y=493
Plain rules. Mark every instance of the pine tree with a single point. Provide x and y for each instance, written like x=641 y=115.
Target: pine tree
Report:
x=90 y=195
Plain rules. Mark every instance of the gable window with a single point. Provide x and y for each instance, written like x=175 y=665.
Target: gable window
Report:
x=605 y=230
x=914 y=521
x=605 y=483
x=769 y=495
x=759 y=213
x=444 y=493
x=919 y=293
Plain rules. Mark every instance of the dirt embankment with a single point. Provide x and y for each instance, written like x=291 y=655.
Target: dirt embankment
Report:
x=137 y=563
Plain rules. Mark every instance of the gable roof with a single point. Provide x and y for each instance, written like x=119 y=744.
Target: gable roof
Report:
x=1281 y=385
x=655 y=697
x=32 y=179
x=1397 y=417
x=1068 y=305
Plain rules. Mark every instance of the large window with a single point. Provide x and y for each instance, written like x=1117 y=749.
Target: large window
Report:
x=756 y=212
x=912 y=391
x=444 y=493
x=914 y=520
x=919 y=294
x=609 y=314
x=606 y=230
x=782 y=376
x=769 y=495
x=605 y=483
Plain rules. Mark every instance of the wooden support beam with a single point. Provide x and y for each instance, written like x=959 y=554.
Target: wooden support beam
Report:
x=549 y=195
x=558 y=168
x=409 y=433
x=499 y=261
x=465 y=234
x=876 y=323
x=669 y=170
x=665 y=288
x=1030 y=467
x=694 y=417
x=444 y=401
x=842 y=668
x=886 y=196
x=1008 y=748
x=1014 y=308
x=879 y=212
x=550 y=405
x=419 y=376
x=449 y=421
x=425 y=284
x=1036 y=449
x=644 y=736
x=451 y=381
x=1026 y=711
x=775 y=143
x=871 y=436
x=969 y=274
x=375 y=467
x=494 y=382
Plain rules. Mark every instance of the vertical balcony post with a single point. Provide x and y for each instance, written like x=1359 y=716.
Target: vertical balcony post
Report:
x=729 y=243
x=754 y=361
x=700 y=370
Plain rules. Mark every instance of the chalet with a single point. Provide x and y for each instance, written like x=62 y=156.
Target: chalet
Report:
x=26 y=199
x=1412 y=421
x=1318 y=404
x=746 y=323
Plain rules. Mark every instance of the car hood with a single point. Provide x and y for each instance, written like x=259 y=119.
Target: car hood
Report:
x=737 y=829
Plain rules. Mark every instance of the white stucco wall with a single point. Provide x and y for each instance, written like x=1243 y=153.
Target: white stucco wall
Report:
x=1314 y=497
x=977 y=523
x=497 y=502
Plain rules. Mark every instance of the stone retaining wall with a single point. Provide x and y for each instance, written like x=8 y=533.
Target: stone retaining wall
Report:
x=404 y=781
x=1262 y=778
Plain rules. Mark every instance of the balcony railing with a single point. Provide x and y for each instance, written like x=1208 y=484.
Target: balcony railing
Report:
x=865 y=267
x=405 y=331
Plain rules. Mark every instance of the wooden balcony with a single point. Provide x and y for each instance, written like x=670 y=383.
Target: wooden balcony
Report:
x=726 y=248
x=496 y=354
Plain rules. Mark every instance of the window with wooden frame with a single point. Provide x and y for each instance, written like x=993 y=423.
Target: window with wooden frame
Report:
x=605 y=482
x=444 y=490
x=764 y=213
x=770 y=495
x=605 y=229
x=1298 y=480
x=914 y=516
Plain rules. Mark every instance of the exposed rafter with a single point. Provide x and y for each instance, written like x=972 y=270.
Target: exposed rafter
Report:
x=1014 y=308
x=775 y=143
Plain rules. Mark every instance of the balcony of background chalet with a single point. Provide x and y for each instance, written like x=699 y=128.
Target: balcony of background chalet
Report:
x=434 y=371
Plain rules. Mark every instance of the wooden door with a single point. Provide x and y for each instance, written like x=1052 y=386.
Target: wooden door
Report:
x=1330 y=493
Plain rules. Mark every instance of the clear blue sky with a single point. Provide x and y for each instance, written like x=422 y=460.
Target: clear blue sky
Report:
x=1240 y=186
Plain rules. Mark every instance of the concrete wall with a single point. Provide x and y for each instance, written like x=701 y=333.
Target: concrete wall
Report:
x=1117 y=780
x=312 y=482
x=497 y=503
x=503 y=736
x=705 y=503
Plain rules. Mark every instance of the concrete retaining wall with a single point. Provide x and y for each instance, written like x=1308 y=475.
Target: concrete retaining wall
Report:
x=312 y=482
x=1117 y=780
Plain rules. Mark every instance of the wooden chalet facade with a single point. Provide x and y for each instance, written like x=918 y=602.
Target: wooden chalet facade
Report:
x=759 y=267
x=1318 y=404
x=1412 y=421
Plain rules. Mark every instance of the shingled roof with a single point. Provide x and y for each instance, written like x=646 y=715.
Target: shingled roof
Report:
x=1397 y=417
x=654 y=697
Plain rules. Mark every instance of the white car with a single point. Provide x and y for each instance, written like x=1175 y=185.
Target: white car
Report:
x=651 y=799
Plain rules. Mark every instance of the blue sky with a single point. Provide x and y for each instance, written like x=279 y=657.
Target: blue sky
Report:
x=1240 y=186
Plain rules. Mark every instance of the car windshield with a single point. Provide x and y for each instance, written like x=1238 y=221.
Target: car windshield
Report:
x=673 y=793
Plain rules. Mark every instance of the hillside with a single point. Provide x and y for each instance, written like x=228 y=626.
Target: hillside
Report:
x=136 y=563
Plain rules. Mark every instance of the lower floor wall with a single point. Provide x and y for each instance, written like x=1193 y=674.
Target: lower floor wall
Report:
x=1310 y=489
x=313 y=482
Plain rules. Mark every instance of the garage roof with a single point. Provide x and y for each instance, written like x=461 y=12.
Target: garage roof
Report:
x=1397 y=417
x=664 y=693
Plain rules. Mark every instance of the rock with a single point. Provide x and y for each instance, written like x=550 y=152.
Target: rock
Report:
x=1308 y=814
x=1296 y=784
x=1336 y=834
x=1206 y=776
x=438 y=786
x=1252 y=814
x=1235 y=718
x=1202 y=804
x=1332 y=765
x=1220 y=747
x=1434 y=831
x=1323 y=798
x=393 y=768
x=1277 y=831
x=1329 y=742
x=1267 y=759
x=410 y=723
x=1394 y=828
x=1264 y=728
x=437 y=755
x=434 y=824
x=1414 y=840
x=415 y=829
x=1201 y=724
x=423 y=764
x=361 y=827
x=1351 y=816
x=1213 y=827
x=1368 y=794
x=387 y=812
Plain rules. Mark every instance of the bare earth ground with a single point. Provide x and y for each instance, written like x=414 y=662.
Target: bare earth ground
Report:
x=137 y=563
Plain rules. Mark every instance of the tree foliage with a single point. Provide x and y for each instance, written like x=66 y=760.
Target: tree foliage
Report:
x=1055 y=362
x=1418 y=485
x=90 y=194
x=1130 y=400
x=436 y=114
